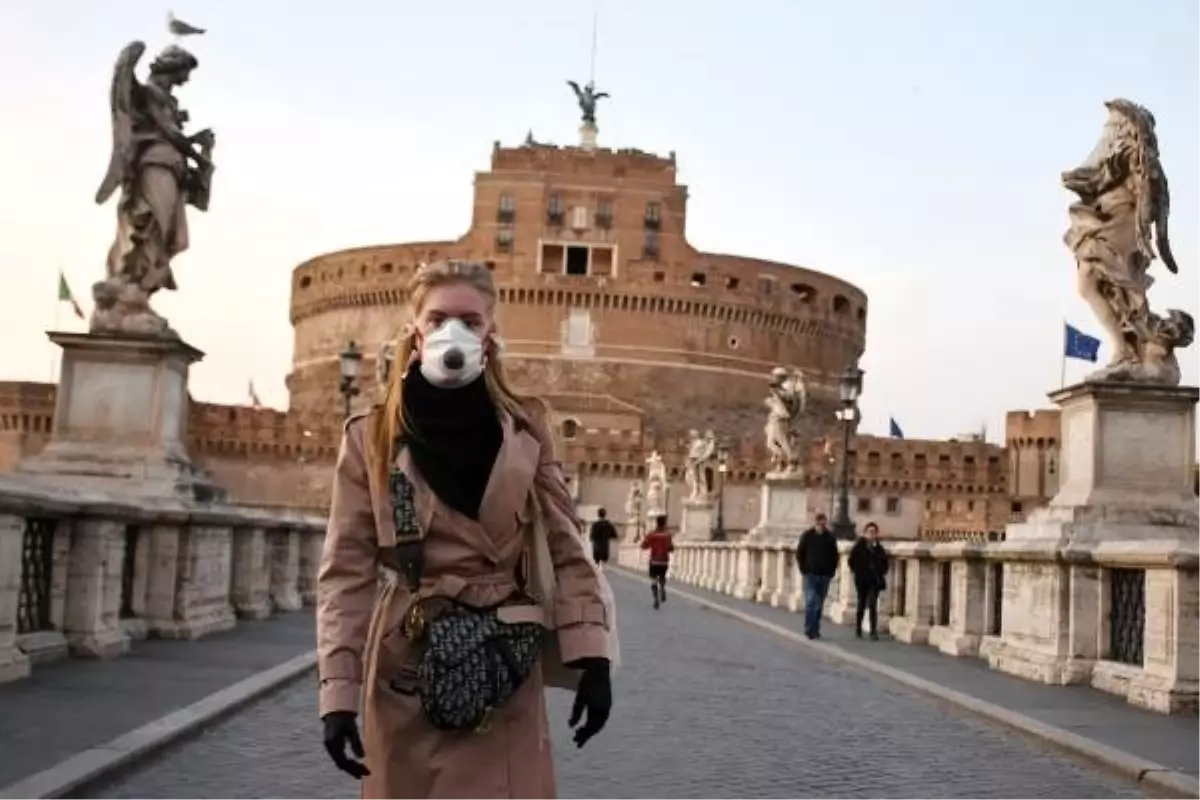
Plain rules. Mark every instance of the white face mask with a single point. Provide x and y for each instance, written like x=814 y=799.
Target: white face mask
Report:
x=452 y=355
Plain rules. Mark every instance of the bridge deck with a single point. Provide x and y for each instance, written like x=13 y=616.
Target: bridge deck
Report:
x=707 y=708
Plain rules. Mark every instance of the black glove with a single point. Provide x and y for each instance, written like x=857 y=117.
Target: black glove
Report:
x=340 y=730
x=594 y=694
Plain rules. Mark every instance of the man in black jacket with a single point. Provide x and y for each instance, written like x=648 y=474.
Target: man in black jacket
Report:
x=817 y=558
x=603 y=532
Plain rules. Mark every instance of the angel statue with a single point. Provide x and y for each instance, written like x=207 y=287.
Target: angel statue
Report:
x=656 y=485
x=159 y=171
x=701 y=450
x=384 y=359
x=787 y=400
x=587 y=97
x=1123 y=199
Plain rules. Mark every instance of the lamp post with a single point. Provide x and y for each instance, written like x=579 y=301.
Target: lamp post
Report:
x=718 y=534
x=849 y=389
x=348 y=361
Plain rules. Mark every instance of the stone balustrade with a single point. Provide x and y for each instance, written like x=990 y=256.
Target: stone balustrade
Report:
x=85 y=572
x=1121 y=618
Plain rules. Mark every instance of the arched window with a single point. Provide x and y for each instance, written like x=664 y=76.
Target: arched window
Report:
x=570 y=429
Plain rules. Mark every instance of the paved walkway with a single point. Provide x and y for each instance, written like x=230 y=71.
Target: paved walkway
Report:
x=706 y=706
x=1173 y=741
x=67 y=706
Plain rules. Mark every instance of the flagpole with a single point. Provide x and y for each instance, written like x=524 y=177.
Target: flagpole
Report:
x=1062 y=374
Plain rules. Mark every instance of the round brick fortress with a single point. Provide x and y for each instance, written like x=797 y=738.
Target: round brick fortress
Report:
x=633 y=313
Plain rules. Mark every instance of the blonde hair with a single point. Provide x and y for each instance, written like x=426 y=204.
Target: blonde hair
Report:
x=387 y=420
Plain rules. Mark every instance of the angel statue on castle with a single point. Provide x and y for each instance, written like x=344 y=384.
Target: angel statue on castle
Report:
x=159 y=171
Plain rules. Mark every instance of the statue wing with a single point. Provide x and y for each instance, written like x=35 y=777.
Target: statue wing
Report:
x=598 y=95
x=122 y=102
x=575 y=86
x=1163 y=208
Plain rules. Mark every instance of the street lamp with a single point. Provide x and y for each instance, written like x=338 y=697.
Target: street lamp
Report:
x=849 y=389
x=718 y=534
x=348 y=360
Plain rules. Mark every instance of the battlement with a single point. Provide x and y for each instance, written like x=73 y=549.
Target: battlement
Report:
x=1040 y=427
x=626 y=163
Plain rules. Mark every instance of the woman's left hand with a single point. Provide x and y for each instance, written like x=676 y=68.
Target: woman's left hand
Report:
x=593 y=695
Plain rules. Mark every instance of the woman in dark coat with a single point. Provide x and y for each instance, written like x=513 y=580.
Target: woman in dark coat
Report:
x=869 y=564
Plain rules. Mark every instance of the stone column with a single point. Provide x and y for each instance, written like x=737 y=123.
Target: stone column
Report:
x=842 y=602
x=93 y=603
x=767 y=573
x=968 y=600
x=920 y=587
x=285 y=570
x=312 y=544
x=202 y=583
x=785 y=575
x=745 y=580
x=251 y=592
x=13 y=663
x=1171 y=660
x=162 y=572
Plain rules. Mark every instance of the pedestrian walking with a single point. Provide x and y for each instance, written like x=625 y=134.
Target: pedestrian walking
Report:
x=869 y=565
x=661 y=545
x=817 y=559
x=434 y=495
x=602 y=534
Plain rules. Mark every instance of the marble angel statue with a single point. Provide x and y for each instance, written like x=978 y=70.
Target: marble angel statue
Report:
x=786 y=401
x=159 y=171
x=1116 y=225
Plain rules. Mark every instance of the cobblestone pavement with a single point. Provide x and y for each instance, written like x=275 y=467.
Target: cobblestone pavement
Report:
x=705 y=707
x=67 y=706
x=1173 y=741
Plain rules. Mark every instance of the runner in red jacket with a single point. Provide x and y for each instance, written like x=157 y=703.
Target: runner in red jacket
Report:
x=660 y=545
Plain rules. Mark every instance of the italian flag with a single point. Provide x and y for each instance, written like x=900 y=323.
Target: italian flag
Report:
x=65 y=296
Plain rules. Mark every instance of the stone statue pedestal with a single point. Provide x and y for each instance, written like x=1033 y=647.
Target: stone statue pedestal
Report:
x=784 y=508
x=699 y=518
x=120 y=418
x=1124 y=516
x=587 y=135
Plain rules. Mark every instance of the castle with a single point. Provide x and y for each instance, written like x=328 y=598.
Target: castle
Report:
x=632 y=335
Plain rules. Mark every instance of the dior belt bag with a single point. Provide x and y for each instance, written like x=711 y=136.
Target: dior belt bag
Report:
x=471 y=660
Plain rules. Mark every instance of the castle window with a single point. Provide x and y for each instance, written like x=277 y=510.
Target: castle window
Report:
x=970 y=505
x=698 y=279
x=864 y=505
x=766 y=285
x=555 y=210
x=734 y=343
x=602 y=261
x=653 y=218
x=385 y=267
x=507 y=209
x=570 y=429
x=841 y=305
x=659 y=276
x=804 y=292
x=1016 y=507
x=577 y=260
x=893 y=505
x=504 y=240
x=604 y=214
x=731 y=282
x=861 y=314
x=650 y=246
x=305 y=282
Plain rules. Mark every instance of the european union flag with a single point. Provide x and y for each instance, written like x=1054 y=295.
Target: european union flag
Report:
x=1077 y=344
x=894 y=429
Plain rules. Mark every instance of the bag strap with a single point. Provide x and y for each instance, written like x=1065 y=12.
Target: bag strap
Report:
x=410 y=539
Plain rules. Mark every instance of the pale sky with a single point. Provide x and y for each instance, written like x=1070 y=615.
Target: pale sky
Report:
x=912 y=148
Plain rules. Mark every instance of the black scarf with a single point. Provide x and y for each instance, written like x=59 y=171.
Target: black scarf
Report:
x=453 y=436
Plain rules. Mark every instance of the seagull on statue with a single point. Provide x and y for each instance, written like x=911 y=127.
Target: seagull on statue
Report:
x=180 y=28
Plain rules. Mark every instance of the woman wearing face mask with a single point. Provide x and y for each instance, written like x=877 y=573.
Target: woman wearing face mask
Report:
x=432 y=494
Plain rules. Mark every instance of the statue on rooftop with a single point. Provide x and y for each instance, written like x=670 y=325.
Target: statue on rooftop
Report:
x=1123 y=200
x=587 y=97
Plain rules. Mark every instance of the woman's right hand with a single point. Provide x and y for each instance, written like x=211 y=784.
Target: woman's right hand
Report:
x=341 y=730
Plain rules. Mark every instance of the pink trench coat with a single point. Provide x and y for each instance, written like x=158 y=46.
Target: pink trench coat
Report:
x=360 y=648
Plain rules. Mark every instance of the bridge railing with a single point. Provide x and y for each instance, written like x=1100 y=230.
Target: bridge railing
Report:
x=83 y=573
x=1121 y=617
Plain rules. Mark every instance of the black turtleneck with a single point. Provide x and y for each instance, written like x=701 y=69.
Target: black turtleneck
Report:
x=453 y=436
